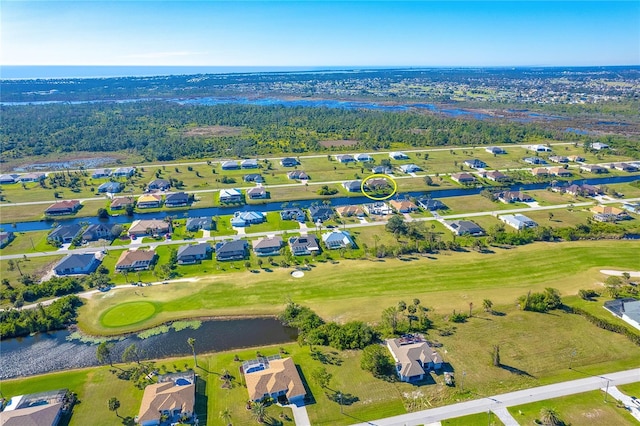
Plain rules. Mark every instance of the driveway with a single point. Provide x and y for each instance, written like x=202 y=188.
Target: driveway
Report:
x=300 y=415
x=632 y=406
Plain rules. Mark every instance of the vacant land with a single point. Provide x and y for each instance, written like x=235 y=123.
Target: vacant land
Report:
x=214 y=131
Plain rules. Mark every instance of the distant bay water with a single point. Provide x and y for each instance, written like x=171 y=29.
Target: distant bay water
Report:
x=15 y=72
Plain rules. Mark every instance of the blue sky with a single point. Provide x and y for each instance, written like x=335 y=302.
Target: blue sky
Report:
x=317 y=33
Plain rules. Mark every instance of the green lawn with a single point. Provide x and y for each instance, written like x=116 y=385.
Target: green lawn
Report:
x=26 y=242
x=632 y=389
x=36 y=266
x=473 y=420
x=586 y=408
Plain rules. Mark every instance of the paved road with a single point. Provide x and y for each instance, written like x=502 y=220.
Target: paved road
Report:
x=347 y=226
x=509 y=399
x=633 y=406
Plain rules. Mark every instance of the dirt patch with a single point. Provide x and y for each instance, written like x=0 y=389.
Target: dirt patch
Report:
x=342 y=142
x=214 y=131
x=593 y=414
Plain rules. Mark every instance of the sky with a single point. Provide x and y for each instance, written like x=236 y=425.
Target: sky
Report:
x=320 y=33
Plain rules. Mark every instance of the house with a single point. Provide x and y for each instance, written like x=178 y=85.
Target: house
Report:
x=101 y=173
x=540 y=172
x=534 y=160
x=337 y=240
x=99 y=231
x=376 y=184
x=250 y=163
x=593 y=168
x=293 y=214
x=599 y=146
x=540 y=148
x=298 y=175
x=124 y=172
x=268 y=246
x=112 y=187
x=382 y=170
x=8 y=179
x=558 y=159
x=149 y=201
x=230 y=165
x=6 y=238
x=197 y=223
x=474 y=163
x=64 y=234
x=135 y=260
x=608 y=213
x=177 y=199
x=289 y=162
x=232 y=250
x=413 y=357
x=518 y=221
x=122 y=202
x=576 y=158
x=348 y=211
x=172 y=398
x=398 y=155
x=63 y=207
x=632 y=207
x=377 y=209
x=159 y=185
x=304 y=245
x=231 y=195
x=559 y=171
x=144 y=227
x=38 y=409
x=496 y=176
x=628 y=309
x=495 y=150
x=32 y=177
x=320 y=213
x=345 y=158
x=253 y=177
x=193 y=253
x=625 y=167
x=464 y=227
x=257 y=192
x=430 y=204
x=583 y=190
x=409 y=168
x=241 y=219
x=273 y=377
x=514 y=197
x=403 y=206
x=463 y=178
x=77 y=264
x=352 y=185
x=363 y=158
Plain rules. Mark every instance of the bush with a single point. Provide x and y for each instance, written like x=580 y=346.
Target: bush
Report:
x=376 y=359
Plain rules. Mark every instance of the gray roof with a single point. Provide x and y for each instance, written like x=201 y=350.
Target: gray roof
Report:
x=466 y=227
x=320 y=211
x=231 y=246
x=75 y=261
x=177 y=197
x=65 y=231
x=267 y=243
x=193 y=250
x=198 y=221
x=309 y=242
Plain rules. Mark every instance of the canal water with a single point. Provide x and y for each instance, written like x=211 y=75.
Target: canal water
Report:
x=275 y=206
x=47 y=352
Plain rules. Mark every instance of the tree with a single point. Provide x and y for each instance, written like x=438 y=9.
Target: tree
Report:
x=321 y=376
x=131 y=354
x=114 y=404
x=416 y=301
x=390 y=318
x=496 y=355
x=375 y=358
x=428 y=180
x=225 y=415
x=550 y=417
x=103 y=213
x=258 y=411
x=103 y=353
x=192 y=344
x=487 y=305
x=396 y=226
x=402 y=306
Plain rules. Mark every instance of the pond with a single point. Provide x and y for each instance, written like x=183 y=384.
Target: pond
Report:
x=47 y=352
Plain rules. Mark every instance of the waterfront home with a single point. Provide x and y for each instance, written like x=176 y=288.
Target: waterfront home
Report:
x=275 y=378
x=63 y=207
x=6 y=238
x=99 y=231
x=496 y=176
x=177 y=199
x=197 y=223
x=403 y=206
x=513 y=197
x=257 y=192
x=122 y=202
x=64 y=234
x=348 y=211
x=231 y=195
x=144 y=227
x=377 y=209
x=320 y=213
x=559 y=171
x=540 y=172
x=352 y=185
x=463 y=178
x=430 y=204
x=38 y=409
x=149 y=201
x=593 y=168
x=293 y=213
x=242 y=219
x=171 y=401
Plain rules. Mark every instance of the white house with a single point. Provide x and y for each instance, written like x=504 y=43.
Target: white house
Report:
x=518 y=221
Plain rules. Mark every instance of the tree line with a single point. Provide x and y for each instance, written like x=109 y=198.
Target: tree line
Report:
x=58 y=315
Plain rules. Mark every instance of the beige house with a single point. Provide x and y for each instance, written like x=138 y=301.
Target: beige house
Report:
x=135 y=260
x=346 y=211
x=413 y=356
x=403 y=206
x=273 y=378
x=170 y=400
x=142 y=227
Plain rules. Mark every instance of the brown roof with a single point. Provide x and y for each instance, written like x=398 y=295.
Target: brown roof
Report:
x=607 y=210
x=539 y=171
x=350 y=210
x=122 y=201
x=281 y=375
x=403 y=205
x=141 y=226
x=65 y=204
x=129 y=257
x=166 y=396
x=40 y=415
x=462 y=176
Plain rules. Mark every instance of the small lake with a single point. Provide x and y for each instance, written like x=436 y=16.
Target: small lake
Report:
x=47 y=352
x=276 y=206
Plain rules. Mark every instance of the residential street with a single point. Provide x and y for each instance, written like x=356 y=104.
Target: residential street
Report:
x=497 y=402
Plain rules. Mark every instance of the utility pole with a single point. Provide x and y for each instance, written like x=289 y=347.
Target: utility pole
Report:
x=464 y=373
x=340 y=395
x=606 y=392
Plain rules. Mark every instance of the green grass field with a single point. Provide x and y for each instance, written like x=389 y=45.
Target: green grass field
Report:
x=586 y=408
x=473 y=420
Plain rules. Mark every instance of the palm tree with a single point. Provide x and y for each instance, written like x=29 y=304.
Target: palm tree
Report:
x=114 y=404
x=225 y=415
x=258 y=411
x=192 y=344
x=550 y=417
